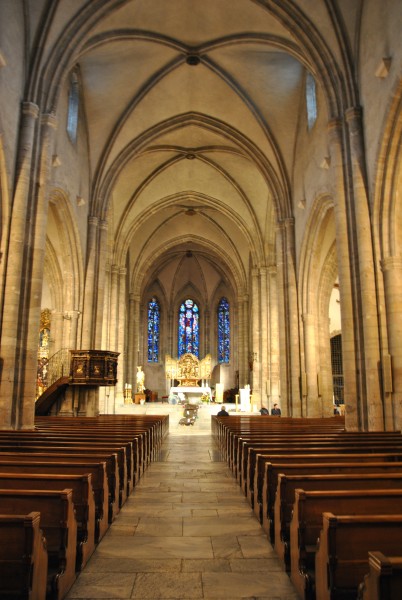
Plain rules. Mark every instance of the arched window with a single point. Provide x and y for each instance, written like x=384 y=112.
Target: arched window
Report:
x=189 y=332
x=154 y=312
x=223 y=331
x=72 y=111
x=311 y=101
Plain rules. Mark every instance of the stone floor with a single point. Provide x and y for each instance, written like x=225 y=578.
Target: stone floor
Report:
x=186 y=532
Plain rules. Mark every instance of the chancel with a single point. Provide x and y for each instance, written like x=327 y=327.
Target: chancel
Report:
x=188 y=371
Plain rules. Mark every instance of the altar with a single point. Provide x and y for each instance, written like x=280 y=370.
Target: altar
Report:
x=188 y=371
x=191 y=393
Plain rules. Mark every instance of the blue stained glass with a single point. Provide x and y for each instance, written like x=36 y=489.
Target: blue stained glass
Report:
x=153 y=330
x=188 y=338
x=223 y=331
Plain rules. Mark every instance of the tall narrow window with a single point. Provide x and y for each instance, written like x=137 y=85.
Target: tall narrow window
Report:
x=311 y=100
x=223 y=331
x=153 y=330
x=72 y=111
x=189 y=332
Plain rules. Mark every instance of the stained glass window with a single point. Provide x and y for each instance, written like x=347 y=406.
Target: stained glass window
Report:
x=73 y=105
x=311 y=101
x=189 y=332
x=223 y=331
x=153 y=330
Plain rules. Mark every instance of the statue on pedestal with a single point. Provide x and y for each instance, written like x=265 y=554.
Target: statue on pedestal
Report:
x=140 y=380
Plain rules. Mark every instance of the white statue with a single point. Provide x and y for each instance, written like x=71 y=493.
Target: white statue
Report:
x=140 y=380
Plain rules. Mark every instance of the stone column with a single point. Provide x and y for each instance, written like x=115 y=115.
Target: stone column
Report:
x=289 y=321
x=100 y=288
x=392 y=273
x=37 y=249
x=88 y=320
x=349 y=359
x=274 y=338
x=243 y=348
x=325 y=382
x=121 y=327
x=131 y=326
x=366 y=287
x=264 y=336
x=56 y=331
x=11 y=381
x=313 y=408
x=256 y=337
x=136 y=336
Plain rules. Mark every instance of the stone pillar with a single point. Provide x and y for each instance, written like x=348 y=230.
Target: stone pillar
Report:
x=325 y=383
x=28 y=358
x=349 y=359
x=289 y=321
x=88 y=320
x=74 y=315
x=313 y=406
x=56 y=331
x=106 y=309
x=136 y=335
x=264 y=336
x=392 y=273
x=243 y=341
x=101 y=284
x=121 y=366
x=11 y=382
x=131 y=326
x=274 y=390
x=256 y=337
x=365 y=286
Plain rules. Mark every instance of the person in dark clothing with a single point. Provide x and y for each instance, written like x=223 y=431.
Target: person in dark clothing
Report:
x=275 y=410
x=223 y=412
x=264 y=411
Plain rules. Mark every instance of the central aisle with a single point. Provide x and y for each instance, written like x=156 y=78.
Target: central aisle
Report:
x=186 y=532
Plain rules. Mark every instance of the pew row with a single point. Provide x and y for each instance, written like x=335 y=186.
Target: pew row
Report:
x=57 y=521
x=384 y=580
x=83 y=500
x=23 y=557
x=306 y=524
x=341 y=560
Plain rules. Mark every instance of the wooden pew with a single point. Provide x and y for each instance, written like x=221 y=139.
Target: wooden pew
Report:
x=285 y=497
x=107 y=495
x=62 y=447
x=306 y=524
x=268 y=467
x=23 y=557
x=83 y=499
x=357 y=445
x=57 y=520
x=341 y=560
x=344 y=464
x=97 y=471
x=384 y=580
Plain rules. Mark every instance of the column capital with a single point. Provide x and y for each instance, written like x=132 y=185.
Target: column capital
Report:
x=92 y=220
x=49 y=119
x=103 y=224
x=30 y=109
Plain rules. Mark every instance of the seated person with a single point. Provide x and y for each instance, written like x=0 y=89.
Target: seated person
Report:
x=275 y=410
x=223 y=412
x=264 y=411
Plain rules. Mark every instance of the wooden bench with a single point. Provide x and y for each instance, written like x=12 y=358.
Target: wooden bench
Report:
x=285 y=497
x=83 y=499
x=57 y=521
x=384 y=580
x=306 y=524
x=72 y=448
x=341 y=560
x=331 y=464
x=23 y=464
x=268 y=467
x=23 y=557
